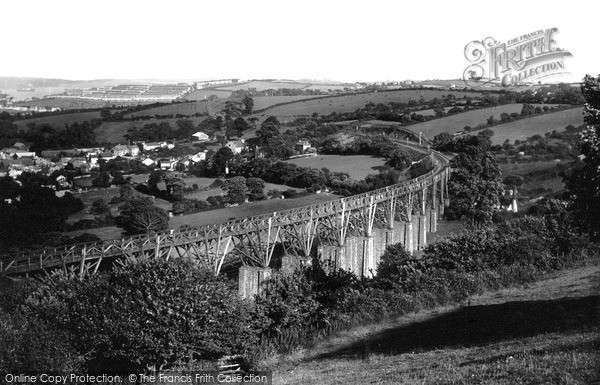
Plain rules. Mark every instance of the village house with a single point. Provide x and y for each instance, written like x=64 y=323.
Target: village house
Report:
x=120 y=150
x=148 y=162
x=151 y=146
x=123 y=150
x=197 y=157
x=236 y=146
x=302 y=146
x=200 y=137
x=167 y=164
x=94 y=159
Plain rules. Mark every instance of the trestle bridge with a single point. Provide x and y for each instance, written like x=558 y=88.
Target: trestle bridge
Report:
x=348 y=233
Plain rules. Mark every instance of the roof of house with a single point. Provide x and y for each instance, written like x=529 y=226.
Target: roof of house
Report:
x=236 y=143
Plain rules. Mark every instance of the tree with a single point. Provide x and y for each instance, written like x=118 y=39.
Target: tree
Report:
x=474 y=185
x=236 y=189
x=514 y=180
x=256 y=188
x=248 y=104
x=175 y=187
x=139 y=215
x=583 y=184
x=220 y=160
x=100 y=208
x=441 y=141
x=267 y=132
x=102 y=180
x=398 y=159
x=527 y=110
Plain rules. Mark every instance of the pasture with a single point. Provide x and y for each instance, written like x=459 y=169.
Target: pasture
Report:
x=79 y=104
x=357 y=166
x=187 y=109
x=206 y=93
x=541 y=124
x=457 y=122
x=538 y=176
x=351 y=102
x=264 y=85
x=59 y=121
x=261 y=102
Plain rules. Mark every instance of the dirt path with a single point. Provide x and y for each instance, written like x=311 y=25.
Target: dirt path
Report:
x=565 y=306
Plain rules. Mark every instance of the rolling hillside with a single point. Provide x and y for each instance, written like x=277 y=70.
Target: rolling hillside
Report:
x=350 y=102
x=59 y=121
x=188 y=109
x=456 y=123
x=541 y=124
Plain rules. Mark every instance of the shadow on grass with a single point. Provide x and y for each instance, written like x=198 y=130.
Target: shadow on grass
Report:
x=478 y=326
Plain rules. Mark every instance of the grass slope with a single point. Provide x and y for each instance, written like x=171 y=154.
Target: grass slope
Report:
x=357 y=166
x=261 y=102
x=190 y=108
x=456 y=123
x=59 y=121
x=350 y=102
x=522 y=129
x=264 y=85
x=548 y=332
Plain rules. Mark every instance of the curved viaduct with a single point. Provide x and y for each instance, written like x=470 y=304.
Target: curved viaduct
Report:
x=348 y=233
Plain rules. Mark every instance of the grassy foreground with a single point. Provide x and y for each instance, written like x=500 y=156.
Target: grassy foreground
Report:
x=546 y=332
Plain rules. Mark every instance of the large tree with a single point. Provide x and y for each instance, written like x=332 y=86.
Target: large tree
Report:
x=237 y=191
x=139 y=215
x=584 y=182
x=475 y=185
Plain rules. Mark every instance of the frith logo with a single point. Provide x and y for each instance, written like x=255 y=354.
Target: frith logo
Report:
x=525 y=59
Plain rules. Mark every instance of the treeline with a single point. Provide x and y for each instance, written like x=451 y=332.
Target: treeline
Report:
x=43 y=136
x=154 y=132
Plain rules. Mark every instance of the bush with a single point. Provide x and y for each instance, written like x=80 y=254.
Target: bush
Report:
x=287 y=302
x=154 y=314
x=27 y=344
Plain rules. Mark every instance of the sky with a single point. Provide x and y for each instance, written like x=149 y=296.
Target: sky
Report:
x=375 y=40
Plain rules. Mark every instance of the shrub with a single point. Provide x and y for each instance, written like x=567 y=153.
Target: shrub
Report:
x=287 y=302
x=154 y=314
x=27 y=344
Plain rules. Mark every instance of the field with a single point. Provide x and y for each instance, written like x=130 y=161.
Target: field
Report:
x=59 y=121
x=350 y=102
x=547 y=332
x=522 y=129
x=455 y=123
x=79 y=104
x=264 y=85
x=537 y=176
x=261 y=102
x=190 y=108
x=206 y=93
x=357 y=166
